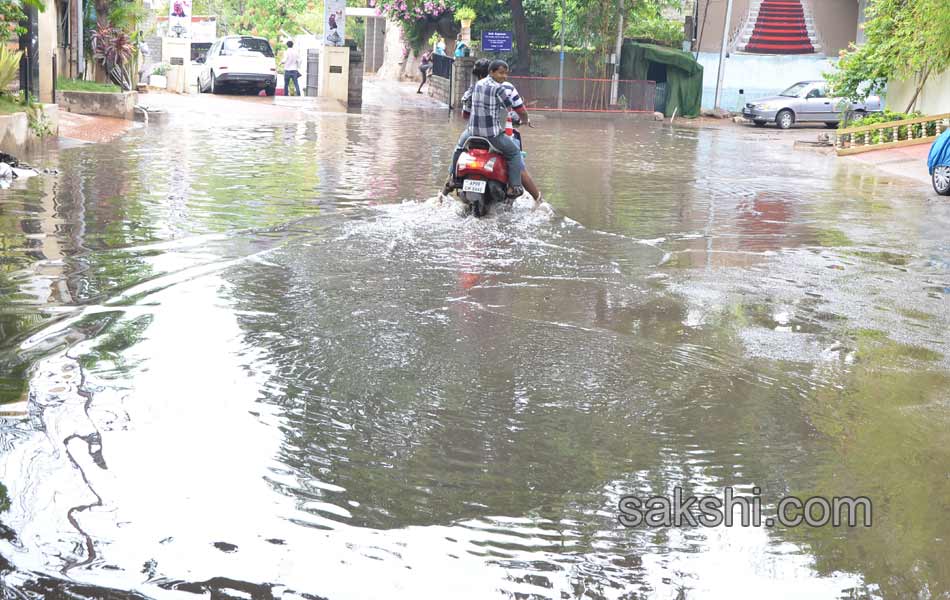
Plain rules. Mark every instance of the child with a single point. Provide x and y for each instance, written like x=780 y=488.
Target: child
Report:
x=424 y=67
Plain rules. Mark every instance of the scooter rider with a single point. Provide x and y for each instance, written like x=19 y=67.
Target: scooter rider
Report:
x=490 y=103
x=479 y=72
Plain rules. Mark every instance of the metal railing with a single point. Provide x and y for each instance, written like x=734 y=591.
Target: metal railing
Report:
x=893 y=134
x=735 y=39
x=586 y=95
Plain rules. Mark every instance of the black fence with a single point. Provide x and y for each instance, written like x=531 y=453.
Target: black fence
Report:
x=442 y=66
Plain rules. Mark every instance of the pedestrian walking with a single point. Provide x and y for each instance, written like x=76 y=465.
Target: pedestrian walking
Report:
x=291 y=69
x=424 y=67
x=144 y=53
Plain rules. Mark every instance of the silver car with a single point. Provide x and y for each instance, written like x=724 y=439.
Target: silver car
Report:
x=806 y=102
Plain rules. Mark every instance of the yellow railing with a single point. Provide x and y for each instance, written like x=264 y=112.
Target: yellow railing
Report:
x=894 y=134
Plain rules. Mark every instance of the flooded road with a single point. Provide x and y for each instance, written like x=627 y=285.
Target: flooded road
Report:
x=246 y=355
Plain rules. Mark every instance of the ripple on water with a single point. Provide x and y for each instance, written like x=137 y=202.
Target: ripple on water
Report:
x=268 y=367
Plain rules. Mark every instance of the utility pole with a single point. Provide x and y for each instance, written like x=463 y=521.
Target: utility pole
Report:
x=29 y=62
x=80 y=41
x=560 y=81
x=615 y=84
x=722 y=52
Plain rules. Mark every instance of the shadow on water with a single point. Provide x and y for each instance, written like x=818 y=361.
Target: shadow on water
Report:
x=268 y=367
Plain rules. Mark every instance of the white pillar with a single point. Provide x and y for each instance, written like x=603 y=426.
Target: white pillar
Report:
x=560 y=81
x=722 y=52
x=862 y=17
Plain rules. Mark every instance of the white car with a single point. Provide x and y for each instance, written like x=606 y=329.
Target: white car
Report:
x=240 y=62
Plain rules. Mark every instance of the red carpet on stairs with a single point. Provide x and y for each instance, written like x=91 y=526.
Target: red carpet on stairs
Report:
x=780 y=29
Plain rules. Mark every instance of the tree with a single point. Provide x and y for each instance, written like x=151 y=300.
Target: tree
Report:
x=646 y=21
x=269 y=18
x=12 y=15
x=591 y=25
x=529 y=21
x=522 y=41
x=905 y=39
x=421 y=18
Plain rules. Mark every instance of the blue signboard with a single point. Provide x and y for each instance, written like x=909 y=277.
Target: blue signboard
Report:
x=496 y=41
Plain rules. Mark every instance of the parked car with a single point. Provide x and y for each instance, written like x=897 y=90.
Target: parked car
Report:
x=238 y=62
x=806 y=102
x=938 y=163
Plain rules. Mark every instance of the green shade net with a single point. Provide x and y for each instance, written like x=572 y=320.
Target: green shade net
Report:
x=684 y=76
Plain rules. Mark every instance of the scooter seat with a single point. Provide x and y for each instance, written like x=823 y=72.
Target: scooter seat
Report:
x=480 y=143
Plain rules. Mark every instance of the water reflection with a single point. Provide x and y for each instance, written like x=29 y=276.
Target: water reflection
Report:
x=262 y=364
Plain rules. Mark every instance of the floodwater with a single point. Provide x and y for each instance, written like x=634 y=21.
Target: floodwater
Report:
x=244 y=355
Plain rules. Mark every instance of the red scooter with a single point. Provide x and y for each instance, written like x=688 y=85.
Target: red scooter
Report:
x=483 y=175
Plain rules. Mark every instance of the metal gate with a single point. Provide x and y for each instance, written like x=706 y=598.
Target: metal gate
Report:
x=442 y=66
x=313 y=71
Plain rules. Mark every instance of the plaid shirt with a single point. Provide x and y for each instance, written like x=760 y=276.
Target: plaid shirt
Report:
x=516 y=101
x=490 y=103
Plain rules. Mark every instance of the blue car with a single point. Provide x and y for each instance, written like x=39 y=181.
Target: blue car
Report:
x=938 y=162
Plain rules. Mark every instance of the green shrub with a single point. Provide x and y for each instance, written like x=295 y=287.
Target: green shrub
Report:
x=9 y=66
x=10 y=104
x=39 y=123
x=465 y=14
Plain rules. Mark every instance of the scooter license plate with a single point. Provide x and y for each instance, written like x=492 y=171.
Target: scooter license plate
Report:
x=474 y=185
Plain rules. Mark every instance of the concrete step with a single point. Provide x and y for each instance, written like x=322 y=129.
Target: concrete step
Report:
x=743 y=50
x=808 y=21
x=754 y=14
x=750 y=28
x=745 y=37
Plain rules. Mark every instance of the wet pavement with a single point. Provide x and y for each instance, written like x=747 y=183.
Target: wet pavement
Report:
x=909 y=161
x=245 y=354
x=91 y=129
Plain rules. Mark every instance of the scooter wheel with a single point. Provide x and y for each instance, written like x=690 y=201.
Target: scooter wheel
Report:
x=479 y=207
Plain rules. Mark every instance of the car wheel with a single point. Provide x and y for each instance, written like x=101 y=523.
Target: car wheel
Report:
x=200 y=89
x=270 y=90
x=941 y=180
x=758 y=123
x=785 y=119
x=831 y=125
x=213 y=86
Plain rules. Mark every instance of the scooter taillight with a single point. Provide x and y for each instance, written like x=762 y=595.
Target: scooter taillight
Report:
x=483 y=163
x=469 y=161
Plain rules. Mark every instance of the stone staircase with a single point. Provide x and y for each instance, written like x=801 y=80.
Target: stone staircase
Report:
x=779 y=27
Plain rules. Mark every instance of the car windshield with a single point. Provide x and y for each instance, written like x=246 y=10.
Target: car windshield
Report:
x=246 y=45
x=795 y=90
